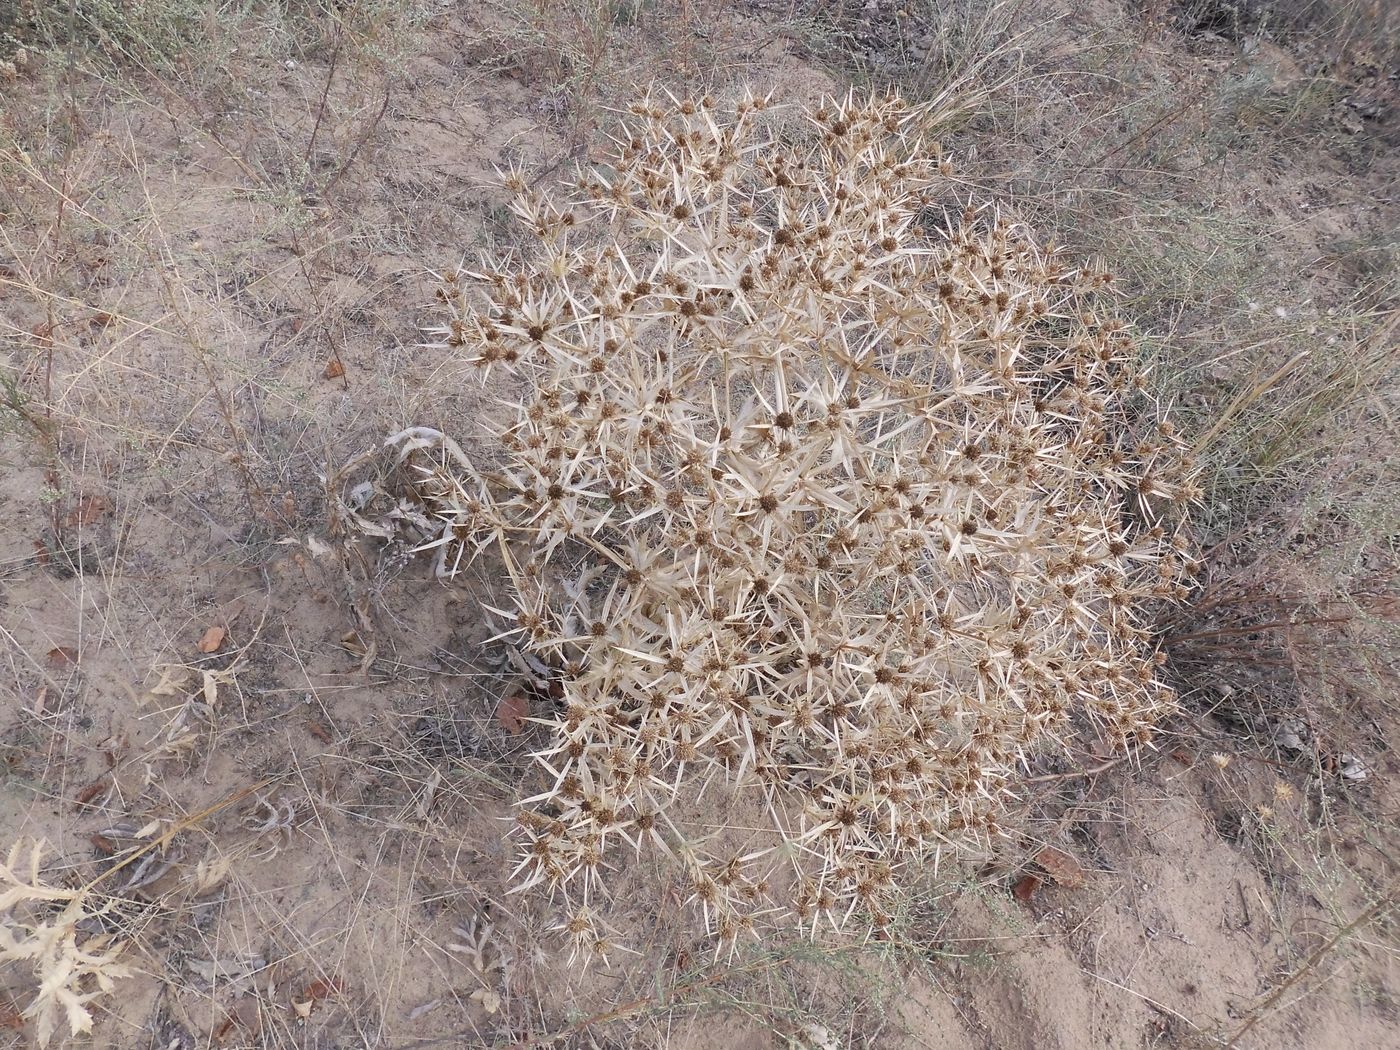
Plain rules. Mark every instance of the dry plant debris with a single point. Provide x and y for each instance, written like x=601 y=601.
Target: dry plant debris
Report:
x=815 y=491
x=40 y=925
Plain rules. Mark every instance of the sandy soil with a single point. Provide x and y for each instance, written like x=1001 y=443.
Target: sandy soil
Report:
x=209 y=317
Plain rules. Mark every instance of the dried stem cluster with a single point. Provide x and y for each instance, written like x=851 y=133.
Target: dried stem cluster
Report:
x=40 y=928
x=814 y=489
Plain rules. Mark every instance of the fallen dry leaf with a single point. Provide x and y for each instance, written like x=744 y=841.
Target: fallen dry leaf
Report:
x=62 y=656
x=314 y=992
x=322 y=988
x=1061 y=867
x=1025 y=888
x=512 y=713
x=90 y=792
x=334 y=369
x=211 y=639
x=86 y=511
x=244 y=1014
x=489 y=1000
x=11 y=1017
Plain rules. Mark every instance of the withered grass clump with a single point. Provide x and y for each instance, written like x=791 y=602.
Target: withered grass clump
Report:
x=812 y=490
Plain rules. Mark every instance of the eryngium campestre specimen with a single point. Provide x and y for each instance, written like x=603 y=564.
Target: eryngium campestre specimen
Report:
x=813 y=490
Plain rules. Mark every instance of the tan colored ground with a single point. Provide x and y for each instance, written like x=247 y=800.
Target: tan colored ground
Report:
x=181 y=270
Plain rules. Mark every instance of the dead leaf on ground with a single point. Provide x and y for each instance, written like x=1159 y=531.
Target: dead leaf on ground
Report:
x=314 y=992
x=211 y=639
x=245 y=1014
x=322 y=988
x=11 y=1016
x=1060 y=866
x=1025 y=888
x=334 y=369
x=90 y=792
x=512 y=713
x=88 y=510
x=61 y=657
x=489 y=1000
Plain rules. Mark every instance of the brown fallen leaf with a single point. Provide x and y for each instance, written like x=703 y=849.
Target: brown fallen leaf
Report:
x=322 y=988
x=211 y=639
x=512 y=713
x=244 y=1014
x=90 y=792
x=61 y=657
x=86 y=511
x=334 y=369
x=1060 y=866
x=1025 y=888
x=11 y=1017
x=314 y=993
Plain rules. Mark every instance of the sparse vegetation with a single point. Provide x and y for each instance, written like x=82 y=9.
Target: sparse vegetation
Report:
x=40 y=927
x=275 y=761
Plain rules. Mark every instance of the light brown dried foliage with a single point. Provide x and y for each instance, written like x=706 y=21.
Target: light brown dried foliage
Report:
x=41 y=928
x=815 y=490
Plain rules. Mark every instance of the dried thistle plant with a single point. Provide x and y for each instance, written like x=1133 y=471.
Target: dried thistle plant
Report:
x=41 y=927
x=868 y=501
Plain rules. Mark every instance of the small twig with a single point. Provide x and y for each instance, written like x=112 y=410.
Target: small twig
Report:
x=183 y=825
x=369 y=131
x=1385 y=901
x=1162 y=1007
x=325 y=93
x=1252 y=628
x=635 y=1006
x=1092 y=771
x=1246 y=398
